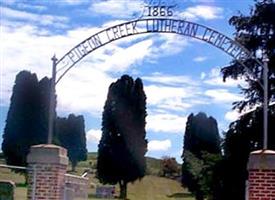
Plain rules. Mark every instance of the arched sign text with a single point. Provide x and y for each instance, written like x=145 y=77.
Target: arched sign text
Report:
x=160 y=24
x=151 y=25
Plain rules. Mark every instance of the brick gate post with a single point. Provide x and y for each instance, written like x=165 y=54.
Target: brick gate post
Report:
x=261 y=169
x=47 y=165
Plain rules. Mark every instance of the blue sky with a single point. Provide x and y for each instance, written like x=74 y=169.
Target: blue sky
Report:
x=181 y=75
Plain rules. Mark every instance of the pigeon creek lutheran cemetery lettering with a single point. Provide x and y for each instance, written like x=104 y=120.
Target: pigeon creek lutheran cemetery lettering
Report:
x=154 y=25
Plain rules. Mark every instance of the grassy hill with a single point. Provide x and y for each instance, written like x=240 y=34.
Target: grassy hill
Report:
x=149 y=188
x=157 y=188
x=153 y=164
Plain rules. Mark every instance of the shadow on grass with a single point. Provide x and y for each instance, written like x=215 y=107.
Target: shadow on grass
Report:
x=93 y=196
x=21 y=185
x=180 y=195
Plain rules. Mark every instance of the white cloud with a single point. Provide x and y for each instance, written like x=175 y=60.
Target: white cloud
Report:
x=222 y=96
x=159 y=145
x=157 y=93
x=215 y=72
x=203 y=75
x=17 y=15
x=85 y=87
x=170 y=93
x=232 y=115
x=136 y=53
x=200 y=59
x=33 y=52
x=172 y=98
x=118 y=9
x=215 y=78
x=93 y=135
x=23 y=44
x=9 y=2
x=172 y=80
x=83 y=90
x=31 y=7
x=203 y=1
x=170 y=44
x=218 y=81
x=170 y=123
x=75 y=2
x=202 y=12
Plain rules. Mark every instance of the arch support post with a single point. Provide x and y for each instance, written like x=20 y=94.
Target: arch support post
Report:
x=52 y=101
x=47 y=166
x=265 y=108
x=261 y=170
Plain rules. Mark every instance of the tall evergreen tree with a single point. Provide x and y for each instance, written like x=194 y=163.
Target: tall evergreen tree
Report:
x=27 y=122
x=122 y=148
x=44 y=104
x=247 y=134
x=257 y=33
x=23 y=127
x=201 y=152
x=71 y=135
x=201 y=135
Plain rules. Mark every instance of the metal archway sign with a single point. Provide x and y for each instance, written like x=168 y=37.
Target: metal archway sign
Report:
x=156 y=23
x=151 y=25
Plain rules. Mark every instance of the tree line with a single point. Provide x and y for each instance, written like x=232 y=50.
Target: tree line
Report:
x=213 y=168
x=208 y=161
x=256 y=32
x=27 y=123
x=228 y=168
x=122 y=148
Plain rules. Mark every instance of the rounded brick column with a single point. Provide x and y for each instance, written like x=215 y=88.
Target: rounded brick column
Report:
x=261 y=168
x=47 y=165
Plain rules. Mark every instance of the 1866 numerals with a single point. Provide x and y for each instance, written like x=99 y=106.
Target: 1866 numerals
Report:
x=160 y=11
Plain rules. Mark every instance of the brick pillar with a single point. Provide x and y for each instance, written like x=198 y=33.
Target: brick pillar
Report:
x=261 y=168
x=47 y=164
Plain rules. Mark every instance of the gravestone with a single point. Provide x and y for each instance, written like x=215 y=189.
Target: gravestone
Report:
x=105 y=192
x=7 y=190
x=69 y=194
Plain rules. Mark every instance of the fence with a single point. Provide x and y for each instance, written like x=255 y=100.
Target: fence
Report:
x=11 y=194
x=76 y=187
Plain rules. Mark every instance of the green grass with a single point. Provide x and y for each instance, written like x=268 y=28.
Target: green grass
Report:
x=150 y=187
x=153 y=164
x=20 y=193
x=19 y=180
x=6 y=174
x=157 y=188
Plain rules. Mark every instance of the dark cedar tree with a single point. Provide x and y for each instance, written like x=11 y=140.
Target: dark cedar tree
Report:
x=26 y=118
x=201 y=152
x=70 y=133
x=122 y=148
